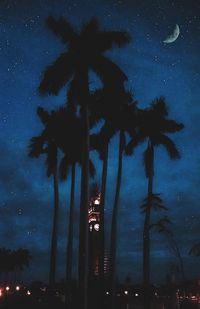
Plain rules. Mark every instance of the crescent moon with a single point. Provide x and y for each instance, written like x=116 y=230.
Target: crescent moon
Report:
x=174 y=36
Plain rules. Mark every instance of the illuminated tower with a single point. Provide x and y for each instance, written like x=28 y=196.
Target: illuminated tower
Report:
x=94 y=237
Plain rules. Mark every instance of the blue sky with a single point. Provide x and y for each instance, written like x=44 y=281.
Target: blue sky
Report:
x=153 y=69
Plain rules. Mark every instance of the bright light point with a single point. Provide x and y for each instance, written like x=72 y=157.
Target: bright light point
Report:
x=28 y=292
x=136 y=294
x=7 y=288
x=17 y=288
x=126 y=292
x=107 y=293
x=96 y=202
x=1 y=293
x=96 y=226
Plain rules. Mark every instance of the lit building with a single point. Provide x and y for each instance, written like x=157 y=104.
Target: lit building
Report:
x=94 y=236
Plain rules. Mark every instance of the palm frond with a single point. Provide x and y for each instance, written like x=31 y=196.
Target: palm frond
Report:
x=169 y=146
x=154 y=202
x=61 y=28
x=159 y=106
x=43 y=115
x=195 y=250
x=57 y=75
x=133 y=143
x=110 y=74
x=106 y=40
x=36 y=146
x=171 y=126
x=90 y=27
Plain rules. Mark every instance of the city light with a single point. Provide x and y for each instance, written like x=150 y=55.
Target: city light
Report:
x=17 y=288
x=136 y=294
x=126 y=292
x=7 y=288
x=96 y=227
x=1 y=293
x=28 y=293
x=97 y=202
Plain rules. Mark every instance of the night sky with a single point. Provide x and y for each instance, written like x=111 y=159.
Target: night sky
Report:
x=154 y=69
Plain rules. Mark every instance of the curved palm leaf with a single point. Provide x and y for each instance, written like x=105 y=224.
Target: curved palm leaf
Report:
x=169 y=146
x=195 y=250
x=57 y=75
x=61 y=28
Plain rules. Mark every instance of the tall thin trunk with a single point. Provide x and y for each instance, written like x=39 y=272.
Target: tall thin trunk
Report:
x=83 y=231
x=102 y=231
x=52 y=272
x=146 y=233
x=70 y=240
x=113 y=241
x=103 y=193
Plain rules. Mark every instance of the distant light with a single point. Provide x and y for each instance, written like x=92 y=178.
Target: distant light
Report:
x=107 y=293
x=1 y=293
x=136 y=294
x=28 y=293
x=126 y=292
x=17 y=288
x=7 y=288
x=43 y=289
x=96 y=227
x=96 y=202
x=156 y=294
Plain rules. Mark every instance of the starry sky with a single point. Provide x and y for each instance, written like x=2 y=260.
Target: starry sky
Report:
x=153 y=69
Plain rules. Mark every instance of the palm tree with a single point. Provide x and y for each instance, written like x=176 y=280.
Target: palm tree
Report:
x=100 y=143
x=71 y=145
x=162 y=227
x=152 y=126
x=121 y=122
x=46 y=144
x=119 y=112
x=85 y=51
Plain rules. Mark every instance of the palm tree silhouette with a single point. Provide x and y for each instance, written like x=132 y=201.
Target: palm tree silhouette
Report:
x=71 y=145
x=162 y=226
x=45 y=143
x=152 y=126
x=123 y=120
x=84 y=51
x=119 y=121
x=99 y=142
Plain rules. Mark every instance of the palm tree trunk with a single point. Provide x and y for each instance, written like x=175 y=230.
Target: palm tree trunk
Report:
x=102 y=231
x=52 y=272
x=70 y=240
x=113 y=241
x=146 y=234
x=83 y=231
